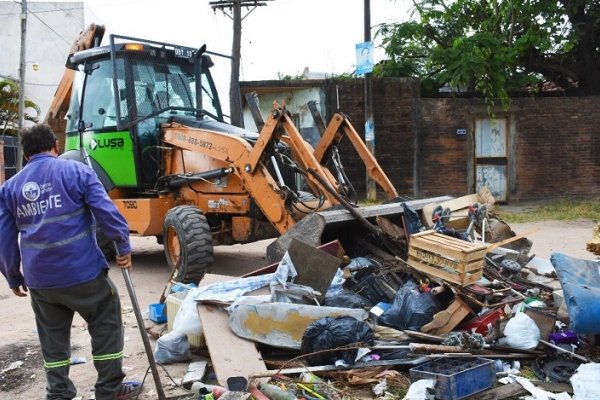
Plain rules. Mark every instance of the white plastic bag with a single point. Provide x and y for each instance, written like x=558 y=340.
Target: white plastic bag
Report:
x=187 y=319
x=522 y=332
x=172 y=348
x=585 y=382
x=419 y=390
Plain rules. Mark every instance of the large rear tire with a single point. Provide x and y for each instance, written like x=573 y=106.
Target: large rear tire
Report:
x=188 y=243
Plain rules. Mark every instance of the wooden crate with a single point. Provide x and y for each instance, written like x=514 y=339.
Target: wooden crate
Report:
x=445 y=257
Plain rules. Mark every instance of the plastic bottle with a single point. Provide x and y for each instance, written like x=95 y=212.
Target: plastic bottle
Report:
x=310 y=378
x=274 y=392
x=197 y=386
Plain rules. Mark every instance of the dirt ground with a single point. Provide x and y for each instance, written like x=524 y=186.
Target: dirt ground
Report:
x=21 y=373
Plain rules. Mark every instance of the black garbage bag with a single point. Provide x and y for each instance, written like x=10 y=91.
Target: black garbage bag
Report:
x=348 y=300
x=412 y=219
x=332 y=332
x=411 y=308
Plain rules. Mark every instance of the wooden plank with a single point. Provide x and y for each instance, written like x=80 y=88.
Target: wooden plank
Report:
x=500 y=392
x=408 y=362
x=443 y=262
x=436 y=249
x=458 y=208
x=446 y=320
x=339 y=216
x=512 y=239
x=450 y=242
x=434 y=271
x=459 y=278
x=435 y=259
x=316 y=268
x=229 y=354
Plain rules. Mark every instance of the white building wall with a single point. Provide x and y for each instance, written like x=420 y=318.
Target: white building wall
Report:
x=296 y=102
x=51 y=28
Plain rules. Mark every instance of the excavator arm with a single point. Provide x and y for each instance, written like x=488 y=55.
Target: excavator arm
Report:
x=240 y=155
x=55 y=117
x=340 y=127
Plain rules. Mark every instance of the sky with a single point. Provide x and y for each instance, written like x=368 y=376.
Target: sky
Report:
x=281 y=38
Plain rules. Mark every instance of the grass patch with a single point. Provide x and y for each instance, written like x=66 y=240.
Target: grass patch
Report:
x=561 y=210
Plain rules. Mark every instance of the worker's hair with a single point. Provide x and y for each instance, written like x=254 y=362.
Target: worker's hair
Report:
x=37 y=139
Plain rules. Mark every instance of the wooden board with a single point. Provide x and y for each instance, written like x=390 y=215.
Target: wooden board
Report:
x=462 y=279
x=316 y=268
x=230 y=355
x=341 y=216
x=446 y=320
x=459 y=218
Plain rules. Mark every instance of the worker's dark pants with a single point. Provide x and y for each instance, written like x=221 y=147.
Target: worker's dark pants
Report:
x=98 y=303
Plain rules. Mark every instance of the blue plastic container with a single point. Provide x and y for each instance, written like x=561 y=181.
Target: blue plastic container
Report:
x=157 y=313
x=580 y=281
x=457 y=378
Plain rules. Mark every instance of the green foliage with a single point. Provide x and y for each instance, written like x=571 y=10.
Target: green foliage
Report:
x=496 y=46
x=562 y=210
x=9 y=107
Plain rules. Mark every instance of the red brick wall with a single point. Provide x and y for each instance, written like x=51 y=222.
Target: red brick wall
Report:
x=395 y=127
x=443 y=162
x=555 y=151
x=558 y=153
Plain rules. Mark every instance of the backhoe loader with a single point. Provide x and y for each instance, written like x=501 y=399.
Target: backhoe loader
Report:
x=147 y=117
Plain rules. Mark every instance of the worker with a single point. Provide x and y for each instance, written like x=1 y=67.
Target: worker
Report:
x=48 y=215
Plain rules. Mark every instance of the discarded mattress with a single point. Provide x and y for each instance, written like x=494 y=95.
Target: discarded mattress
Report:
x=282 y=324
x=580 y=280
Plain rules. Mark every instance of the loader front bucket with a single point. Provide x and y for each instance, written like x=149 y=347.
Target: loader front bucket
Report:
x=309 y=230
x=383 y=226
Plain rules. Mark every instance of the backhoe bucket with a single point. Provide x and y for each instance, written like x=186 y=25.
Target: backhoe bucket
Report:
x=385 y=226
x=309 y=231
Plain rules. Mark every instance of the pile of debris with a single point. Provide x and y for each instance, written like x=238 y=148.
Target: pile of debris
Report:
x=465 y=310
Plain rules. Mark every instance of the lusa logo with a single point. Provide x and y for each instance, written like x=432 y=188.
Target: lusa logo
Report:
x=111 y=143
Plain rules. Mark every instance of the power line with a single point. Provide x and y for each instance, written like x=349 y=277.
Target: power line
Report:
x=48 y=26
x=46 y=11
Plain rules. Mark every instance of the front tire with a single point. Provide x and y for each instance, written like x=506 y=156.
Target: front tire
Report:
x=188 y=243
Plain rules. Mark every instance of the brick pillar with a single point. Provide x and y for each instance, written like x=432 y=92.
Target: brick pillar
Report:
x=2 y=162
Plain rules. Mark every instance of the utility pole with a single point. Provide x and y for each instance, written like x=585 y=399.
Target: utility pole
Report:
x=369 y=123
x=235 y=7
x=22 y=64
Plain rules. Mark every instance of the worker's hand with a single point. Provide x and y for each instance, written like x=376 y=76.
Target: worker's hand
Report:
x=124 y=261
x=17 y=291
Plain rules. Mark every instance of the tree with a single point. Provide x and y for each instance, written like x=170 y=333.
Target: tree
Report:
x=497 y=46
x=9 y=107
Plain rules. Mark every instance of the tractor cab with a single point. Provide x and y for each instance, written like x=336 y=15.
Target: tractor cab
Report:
x=121 y=94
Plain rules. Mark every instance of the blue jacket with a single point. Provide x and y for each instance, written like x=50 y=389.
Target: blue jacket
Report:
x=54 y=205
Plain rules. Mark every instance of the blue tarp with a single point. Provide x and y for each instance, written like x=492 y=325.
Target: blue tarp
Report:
x=580 y=280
